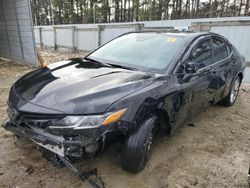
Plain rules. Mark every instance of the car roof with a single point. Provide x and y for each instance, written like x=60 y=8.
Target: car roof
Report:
x=187 y=34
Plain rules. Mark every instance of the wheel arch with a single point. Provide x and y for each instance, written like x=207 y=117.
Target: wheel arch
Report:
x=164 y=121
x=151 y=107
x=240 y=74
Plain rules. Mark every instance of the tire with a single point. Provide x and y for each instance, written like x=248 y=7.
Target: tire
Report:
x=136 y=148
x=230 y=99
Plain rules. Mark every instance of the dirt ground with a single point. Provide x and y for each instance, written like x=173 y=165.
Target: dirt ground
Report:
x=213 y=151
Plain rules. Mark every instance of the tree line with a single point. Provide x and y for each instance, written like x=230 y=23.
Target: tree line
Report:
x=49 y=12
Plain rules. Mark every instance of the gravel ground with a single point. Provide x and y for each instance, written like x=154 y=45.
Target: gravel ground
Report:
x=213 y=150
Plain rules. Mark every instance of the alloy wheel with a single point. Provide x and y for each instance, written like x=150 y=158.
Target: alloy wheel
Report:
x=234 y=90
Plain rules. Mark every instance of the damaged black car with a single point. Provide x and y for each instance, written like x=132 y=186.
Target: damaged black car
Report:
x=128 y=90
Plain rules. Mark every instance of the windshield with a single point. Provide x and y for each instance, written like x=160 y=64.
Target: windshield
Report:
x=140 y=50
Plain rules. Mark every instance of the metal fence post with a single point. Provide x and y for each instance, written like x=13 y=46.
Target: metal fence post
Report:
x=139 y=27
x=55 y=40
x=74 y=38
x=100 y=28
x=41 y=38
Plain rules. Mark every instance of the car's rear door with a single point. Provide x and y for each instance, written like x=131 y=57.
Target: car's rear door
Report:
x=224 y=63
x=203 y=82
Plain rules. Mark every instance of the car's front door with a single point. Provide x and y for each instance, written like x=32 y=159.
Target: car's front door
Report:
x=197 y=80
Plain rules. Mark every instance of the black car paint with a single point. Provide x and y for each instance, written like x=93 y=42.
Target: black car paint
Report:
x=81 y=87
x=92 y=88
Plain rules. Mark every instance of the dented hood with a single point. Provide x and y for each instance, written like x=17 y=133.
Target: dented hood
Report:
x=78 y=86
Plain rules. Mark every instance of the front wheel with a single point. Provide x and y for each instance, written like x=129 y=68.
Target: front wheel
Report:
x=137 y=147
x=233 y=93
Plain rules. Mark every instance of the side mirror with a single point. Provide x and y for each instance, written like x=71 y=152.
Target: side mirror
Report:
x=191 y=67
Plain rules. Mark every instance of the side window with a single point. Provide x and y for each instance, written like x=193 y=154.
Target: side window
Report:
x=221 y=49
x=201 y=54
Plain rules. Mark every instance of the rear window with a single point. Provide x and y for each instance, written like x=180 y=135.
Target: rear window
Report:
x=220 y=49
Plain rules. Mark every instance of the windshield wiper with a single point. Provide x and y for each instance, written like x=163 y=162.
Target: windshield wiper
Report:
x=95 y=61
x=110 y=64
x=122 y=66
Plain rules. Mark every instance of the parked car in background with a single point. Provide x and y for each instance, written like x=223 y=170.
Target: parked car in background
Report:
x=128 y=90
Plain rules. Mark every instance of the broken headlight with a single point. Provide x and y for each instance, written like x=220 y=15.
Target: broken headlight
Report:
x=88 y=122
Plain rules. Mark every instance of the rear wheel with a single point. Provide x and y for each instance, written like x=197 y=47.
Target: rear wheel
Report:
x=137 y=147
x=233 y=93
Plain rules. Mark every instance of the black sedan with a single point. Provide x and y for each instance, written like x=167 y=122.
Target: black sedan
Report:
x=129 y=90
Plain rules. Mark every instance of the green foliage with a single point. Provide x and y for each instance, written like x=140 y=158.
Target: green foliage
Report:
x=48 y=12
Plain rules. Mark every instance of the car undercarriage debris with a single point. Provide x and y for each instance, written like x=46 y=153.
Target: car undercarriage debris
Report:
x=85 y=175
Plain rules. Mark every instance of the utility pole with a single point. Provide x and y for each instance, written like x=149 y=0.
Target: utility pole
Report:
x=94 y=13
x=52 y=12
x=35 y=20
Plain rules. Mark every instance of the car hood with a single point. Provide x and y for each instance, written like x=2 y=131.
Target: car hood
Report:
x=78 y=86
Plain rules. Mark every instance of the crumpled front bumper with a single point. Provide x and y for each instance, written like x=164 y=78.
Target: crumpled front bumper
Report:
x=57 y=145
x=54 y=143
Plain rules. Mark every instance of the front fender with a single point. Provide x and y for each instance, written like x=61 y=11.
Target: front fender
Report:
x=144 y=102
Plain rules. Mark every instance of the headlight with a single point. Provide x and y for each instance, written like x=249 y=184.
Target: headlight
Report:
x=88 y=122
